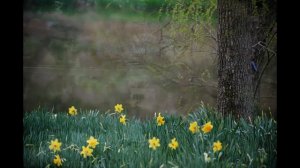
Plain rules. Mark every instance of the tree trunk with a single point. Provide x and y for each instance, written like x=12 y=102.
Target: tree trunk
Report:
x=236 y=76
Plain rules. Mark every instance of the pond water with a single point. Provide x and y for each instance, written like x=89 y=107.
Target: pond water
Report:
x=93 y=63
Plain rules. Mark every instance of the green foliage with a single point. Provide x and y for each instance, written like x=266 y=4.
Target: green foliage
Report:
x=189 y=29
x=244 y=144
x=69 y=5
x=49 y=5
x=187 y=16
x=145 y=5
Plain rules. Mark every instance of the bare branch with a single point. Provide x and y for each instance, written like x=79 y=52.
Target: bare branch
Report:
x=210 y=33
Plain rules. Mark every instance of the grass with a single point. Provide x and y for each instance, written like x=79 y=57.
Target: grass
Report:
x=133 y=10
x=123 y=15
x=244 y=144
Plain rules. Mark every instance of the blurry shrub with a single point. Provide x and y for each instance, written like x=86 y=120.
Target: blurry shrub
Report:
x=69 y=5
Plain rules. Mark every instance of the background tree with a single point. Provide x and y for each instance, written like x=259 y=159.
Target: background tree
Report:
x=243 y=26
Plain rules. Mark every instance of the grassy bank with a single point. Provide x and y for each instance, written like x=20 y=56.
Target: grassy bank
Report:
x=243 y=144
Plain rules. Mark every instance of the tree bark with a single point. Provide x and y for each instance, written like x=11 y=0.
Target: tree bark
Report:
x=236 y=77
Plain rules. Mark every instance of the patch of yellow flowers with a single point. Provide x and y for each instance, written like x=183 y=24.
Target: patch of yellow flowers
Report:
x=154 y=142
x=206 y=128
x=87 y=151
x=55 y=147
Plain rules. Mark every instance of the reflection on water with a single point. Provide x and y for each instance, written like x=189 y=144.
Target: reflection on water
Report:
x=93 y=63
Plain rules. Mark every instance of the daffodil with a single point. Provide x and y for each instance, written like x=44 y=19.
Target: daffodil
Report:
x=86 y=151
x=206 y=157
x=207 y=127
x=217 y=146
x=154 y=143
x=123 y=119
x=119 y=108
x=55 y=145
x=72 y=111
x=160 y=120
x=57 y=160
x=92 y=142
x=173 y=144
x=194 y=127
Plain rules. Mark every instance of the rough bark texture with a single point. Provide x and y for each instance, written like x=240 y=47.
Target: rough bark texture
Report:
x=236 y=78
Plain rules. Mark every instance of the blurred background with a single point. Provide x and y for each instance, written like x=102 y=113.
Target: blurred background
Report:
x=94 y=54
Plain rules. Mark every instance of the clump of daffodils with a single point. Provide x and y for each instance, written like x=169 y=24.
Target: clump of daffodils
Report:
x=174 y=144
x=123 y=119
x=55 y=145
x=154 y=143
x=119 y=108
x=160 y=120
x=206 y=128
x=87 y=151
x=194 y=127
x=217 y=146
x=72 y=111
